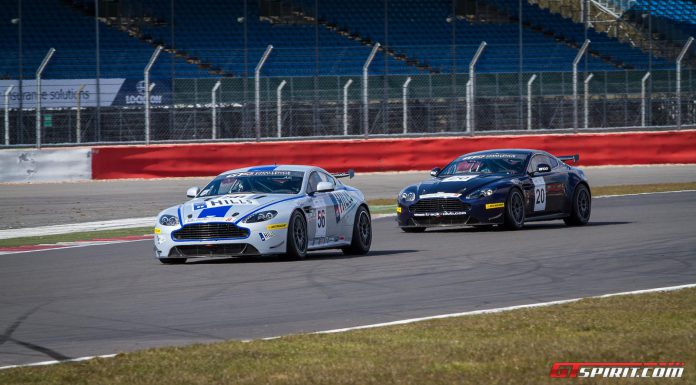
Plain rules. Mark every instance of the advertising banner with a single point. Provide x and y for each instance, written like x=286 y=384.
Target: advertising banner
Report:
x=62 y=93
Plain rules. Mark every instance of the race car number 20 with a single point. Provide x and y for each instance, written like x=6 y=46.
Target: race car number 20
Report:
x=539 y=194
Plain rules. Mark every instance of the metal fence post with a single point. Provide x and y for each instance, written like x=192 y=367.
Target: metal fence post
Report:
x=146 y=74
x=586 y=104
x=470 y=118
x=345 y=106
x=579 y=56
x=642 y=98
x=679 y=68
x=257 y=89
x=7 y=114
x=469 y=96
x=213 y=100
x=279 y=107
x=78 y=118
x=405 y=103
x=39 y=71
x=365 y=85
x=529 y=101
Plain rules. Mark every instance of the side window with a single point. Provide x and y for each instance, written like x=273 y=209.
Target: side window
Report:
x=328 y=178
x=553 y=162
x=314 y=179
x=539 y=159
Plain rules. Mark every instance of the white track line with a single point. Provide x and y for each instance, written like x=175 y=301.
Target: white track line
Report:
x=408 y=321
x=645 y=193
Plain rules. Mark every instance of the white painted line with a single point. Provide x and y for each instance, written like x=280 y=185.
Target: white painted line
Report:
x=410 y=320
x=645 y=193
x=45 y=363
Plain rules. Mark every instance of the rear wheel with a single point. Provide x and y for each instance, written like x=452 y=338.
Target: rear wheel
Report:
x=172 y=261
x=514 y=210
x=581 y=207
x=297 y=236
x=413 y=229
x=362 y=234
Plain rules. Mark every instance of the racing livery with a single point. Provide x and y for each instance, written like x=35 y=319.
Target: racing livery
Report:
x=265 y=210
x=497 y=187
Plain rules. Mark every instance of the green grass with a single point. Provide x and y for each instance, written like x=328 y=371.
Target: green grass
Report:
x=516 y=347
x=377 y=206
x=71 y=237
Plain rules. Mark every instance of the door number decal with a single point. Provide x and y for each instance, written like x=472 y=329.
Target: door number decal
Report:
x=539 y=194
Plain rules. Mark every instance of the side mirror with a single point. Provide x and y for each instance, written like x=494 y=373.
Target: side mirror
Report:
x=435 y=171
x=325 y=187
x=542 y=168
x=192 y=192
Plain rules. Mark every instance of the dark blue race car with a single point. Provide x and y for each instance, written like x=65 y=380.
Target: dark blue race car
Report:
x=497 y=187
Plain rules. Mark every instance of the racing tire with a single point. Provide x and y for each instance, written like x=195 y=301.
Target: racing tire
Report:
x=514 y=211
x=362 y=234
x=297 y=237
x=172 y=261
x=413 y=229
x=581 y=207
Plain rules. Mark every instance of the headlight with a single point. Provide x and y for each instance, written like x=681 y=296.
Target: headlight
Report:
x=480 y=194
x=407 y=196
x=168 y=220
x=261 y=216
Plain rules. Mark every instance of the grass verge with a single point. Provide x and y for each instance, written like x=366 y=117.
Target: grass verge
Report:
x=377 y=206
x=72 y=237
x=516 y=347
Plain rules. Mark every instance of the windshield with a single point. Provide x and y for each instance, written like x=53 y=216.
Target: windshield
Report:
x=258 y=182
x=486 y=164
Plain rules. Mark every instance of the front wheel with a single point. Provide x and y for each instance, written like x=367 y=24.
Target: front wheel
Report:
x=514 y=210
x=581 y=207
x=362 y=234
x=297 y=236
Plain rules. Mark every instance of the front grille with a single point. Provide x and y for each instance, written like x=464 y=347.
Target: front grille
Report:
x=217 y=250
x=454 y=220
x=206 y=231
x=439 y=205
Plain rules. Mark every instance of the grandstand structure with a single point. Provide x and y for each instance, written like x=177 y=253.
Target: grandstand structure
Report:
x=263 y=69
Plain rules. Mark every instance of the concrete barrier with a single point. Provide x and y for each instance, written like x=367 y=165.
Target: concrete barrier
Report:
x=398 y=154
x=49 y=165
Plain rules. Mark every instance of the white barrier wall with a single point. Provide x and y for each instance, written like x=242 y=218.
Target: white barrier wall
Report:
x=51 y=165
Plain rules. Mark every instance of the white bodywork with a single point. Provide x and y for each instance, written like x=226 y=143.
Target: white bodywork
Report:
x=329 y=216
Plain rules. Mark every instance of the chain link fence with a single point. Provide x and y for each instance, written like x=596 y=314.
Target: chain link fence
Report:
x=420 y=103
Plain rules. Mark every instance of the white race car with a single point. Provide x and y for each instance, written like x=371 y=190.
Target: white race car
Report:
x=265 y=210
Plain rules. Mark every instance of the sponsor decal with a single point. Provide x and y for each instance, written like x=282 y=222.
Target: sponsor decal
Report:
x=441 y=195
x=443 y=214
x=214 y=212
x=229 y=200
x=494 y=156
x=398 y=209
x=157 y=231
x=266 y=235
x=199 y=206
x=459 y=178
x=498 y=205
x=617 y=370
x=342 y=202
x=263 y=173
x=277 y=226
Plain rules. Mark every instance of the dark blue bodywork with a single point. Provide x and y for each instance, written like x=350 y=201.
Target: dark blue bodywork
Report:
x=481 y=198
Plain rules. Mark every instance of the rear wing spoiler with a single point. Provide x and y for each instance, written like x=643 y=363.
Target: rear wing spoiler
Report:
x=348 y=174
x=574 y=158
